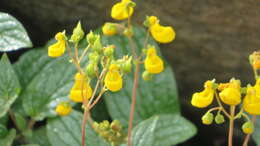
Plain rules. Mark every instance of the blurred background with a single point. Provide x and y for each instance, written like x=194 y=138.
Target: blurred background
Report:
x=214 y=39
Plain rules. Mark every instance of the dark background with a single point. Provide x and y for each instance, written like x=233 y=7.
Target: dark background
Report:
x=214 y=39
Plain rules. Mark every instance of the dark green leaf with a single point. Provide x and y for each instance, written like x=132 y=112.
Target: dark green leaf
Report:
x=9 y=87
x=3 y=130
x=30 y=145
x=8 y=140
x=163 y=130
x=158 y=96
x=12 y=34
x=39 y=136
x=20 y=121
x=66 y=131
x=256 y=134
x=46 y=81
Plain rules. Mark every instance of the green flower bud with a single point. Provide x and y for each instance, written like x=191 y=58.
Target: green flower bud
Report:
x=77 y=34
x=95 y=126
x=97 y=46
x=94 y=57
x=91 y=69
x=104 y=125
x=248 y=127
x=128 y=32
x=146 y=22
x=109 y=50
x=219 y=119
x=127 y=65
x=116 y=125
x=91 y=38
x=147 y=76
x=207 y=119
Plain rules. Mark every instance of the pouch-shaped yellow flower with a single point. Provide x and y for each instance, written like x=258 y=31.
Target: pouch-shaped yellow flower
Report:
x=252 y=100
x=113 y=79
x=63 y=109
x=59 y=47
x=204 y=98
x=162 y=34
x=230 y=96
x=122 y=10
x=81 y=89
x=153 y=63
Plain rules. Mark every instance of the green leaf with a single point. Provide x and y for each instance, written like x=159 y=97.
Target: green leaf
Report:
x=66 y=131
x=46 y=82
x=9 y=87
x=30 y=145
x=39 y=136
x=20 y=121
x=163 y=130
x=3 y=130
x=8 y=140
x=256 y=134
x=158 y=96
x=12 y=34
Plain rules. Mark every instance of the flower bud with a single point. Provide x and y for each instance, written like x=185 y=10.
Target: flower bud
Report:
x=147 y=76
x=116 y=125
x=95 y=126
x=207 y=119
x=109 y=50
x=104 y=125
x=255 y=60
x=91 y=38
x=91 y=69
x=248 y=127
x=127 y=65
x=128 y=32
x=94 y=57
x=219 y=119
x=109 y=29
x=97 y=46
x=78 y=33
x=63 y=109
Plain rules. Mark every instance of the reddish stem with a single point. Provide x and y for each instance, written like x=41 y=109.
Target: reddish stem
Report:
x=131 y=118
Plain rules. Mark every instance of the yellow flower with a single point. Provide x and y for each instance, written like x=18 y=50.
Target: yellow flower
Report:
x=162 y=34
x=113 y=79
x=63 y=109
x=122 y=10
x=81 y=89
x=109 y=29
x=58 y=48
x=204 y=98
x=252 y=99
x=153 y=63
x=231 y=95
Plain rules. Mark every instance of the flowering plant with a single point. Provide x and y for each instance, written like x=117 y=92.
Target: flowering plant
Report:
x=122 y=65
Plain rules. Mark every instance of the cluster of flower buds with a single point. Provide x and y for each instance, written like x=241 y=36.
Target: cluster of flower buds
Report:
x=112 y=132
